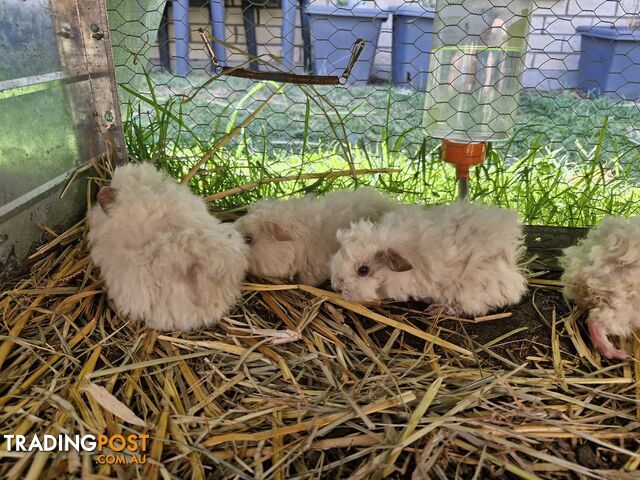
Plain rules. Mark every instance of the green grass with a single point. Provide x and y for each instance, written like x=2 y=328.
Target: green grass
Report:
x=569 y=162
x=558 y=118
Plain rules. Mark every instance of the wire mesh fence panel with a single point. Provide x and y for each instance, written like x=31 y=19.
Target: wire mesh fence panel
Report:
x=553 y=85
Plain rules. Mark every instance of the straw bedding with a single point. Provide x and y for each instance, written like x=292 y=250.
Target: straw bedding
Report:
x=299 y=383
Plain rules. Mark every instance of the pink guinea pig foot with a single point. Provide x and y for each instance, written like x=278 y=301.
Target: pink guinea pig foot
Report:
x=439 y=309
x=602 y=343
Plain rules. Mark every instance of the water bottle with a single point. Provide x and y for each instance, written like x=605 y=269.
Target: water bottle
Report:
x=476 y=67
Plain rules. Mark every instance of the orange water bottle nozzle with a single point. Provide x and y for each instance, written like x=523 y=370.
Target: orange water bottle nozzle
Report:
x=463 y=156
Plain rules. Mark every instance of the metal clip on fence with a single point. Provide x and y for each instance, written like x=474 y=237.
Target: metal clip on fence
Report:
x=287 y=77
x=356 y=50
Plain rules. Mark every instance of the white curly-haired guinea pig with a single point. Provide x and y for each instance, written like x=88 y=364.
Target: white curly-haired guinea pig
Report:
x=164 y=259
x=463 y=256
x=296 y=238
x=602 y=275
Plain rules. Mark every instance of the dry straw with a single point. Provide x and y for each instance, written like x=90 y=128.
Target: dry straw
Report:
x=299 y=383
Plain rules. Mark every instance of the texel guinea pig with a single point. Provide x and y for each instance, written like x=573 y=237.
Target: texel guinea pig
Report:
x=295 y=238
x=463 y=256
x=164 y=259
x=602 y=275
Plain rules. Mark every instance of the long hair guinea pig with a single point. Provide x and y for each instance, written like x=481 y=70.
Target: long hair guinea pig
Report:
x=295 y=238
x=463 y=256
x=602 y=275
x=164 y=259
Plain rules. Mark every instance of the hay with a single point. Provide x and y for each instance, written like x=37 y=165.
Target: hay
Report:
x=299 y=383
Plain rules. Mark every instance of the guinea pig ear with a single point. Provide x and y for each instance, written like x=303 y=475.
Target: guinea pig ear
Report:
x=393 y=260
x=279 y=233
x=106 y=196
x=194 y=277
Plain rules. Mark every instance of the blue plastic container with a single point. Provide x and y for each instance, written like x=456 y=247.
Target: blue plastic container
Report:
x=610 y=61
x=333 y=33
x=411 y=45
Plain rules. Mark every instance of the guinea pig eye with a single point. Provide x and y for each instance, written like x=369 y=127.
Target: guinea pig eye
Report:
x=363 y=270
x=248 y=239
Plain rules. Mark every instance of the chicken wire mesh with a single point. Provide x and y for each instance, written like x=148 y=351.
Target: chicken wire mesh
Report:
x=555 y=85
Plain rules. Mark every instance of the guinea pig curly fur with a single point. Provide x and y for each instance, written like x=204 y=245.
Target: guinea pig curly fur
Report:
x=295 y=238
x=602 y=275
x=463 y=256
x=164 y=259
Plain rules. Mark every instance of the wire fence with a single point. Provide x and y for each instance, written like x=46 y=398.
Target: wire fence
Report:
x=555 y=85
